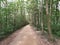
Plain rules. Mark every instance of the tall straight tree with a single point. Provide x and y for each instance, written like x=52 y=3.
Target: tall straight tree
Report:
x=48 y=20
x=0 y=16
x=6 y=12
x=41 y=14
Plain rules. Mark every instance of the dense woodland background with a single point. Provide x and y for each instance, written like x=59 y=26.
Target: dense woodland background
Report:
x=43 y=14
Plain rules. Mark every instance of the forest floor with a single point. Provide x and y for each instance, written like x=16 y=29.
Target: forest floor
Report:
x=26 y=36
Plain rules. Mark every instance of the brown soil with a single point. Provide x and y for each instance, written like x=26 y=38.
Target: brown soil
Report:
x=25 y=36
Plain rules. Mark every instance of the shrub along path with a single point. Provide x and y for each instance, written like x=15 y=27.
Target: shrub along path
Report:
x=25 y=36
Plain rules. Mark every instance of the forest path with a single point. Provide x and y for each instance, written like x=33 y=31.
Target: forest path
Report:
x=25 y=36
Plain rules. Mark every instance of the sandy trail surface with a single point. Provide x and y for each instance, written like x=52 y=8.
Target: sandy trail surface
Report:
x=25 y=36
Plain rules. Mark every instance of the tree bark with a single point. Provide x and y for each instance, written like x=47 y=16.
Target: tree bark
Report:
x=48 y=20
x=41 y=14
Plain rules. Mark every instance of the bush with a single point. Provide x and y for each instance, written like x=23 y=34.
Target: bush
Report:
x=10 y=21
x=11 y=25
x=56 y=30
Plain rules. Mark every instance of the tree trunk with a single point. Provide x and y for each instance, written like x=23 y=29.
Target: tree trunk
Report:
x=48 y=20
x=41 y=14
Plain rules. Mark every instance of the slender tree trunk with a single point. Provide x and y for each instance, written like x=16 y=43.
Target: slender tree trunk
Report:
x=6 y=13
x=0 y=17
x=48 y=21
x=41 y=14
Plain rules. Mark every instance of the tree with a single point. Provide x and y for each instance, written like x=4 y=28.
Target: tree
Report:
x=48 y=20
x=41 y=14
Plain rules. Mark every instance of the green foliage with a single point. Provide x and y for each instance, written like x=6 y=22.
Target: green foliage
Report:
x=11 y=19
x=56 y=29
x=33 y=9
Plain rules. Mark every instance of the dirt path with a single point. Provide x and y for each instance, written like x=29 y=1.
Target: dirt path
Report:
x=25 y=36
